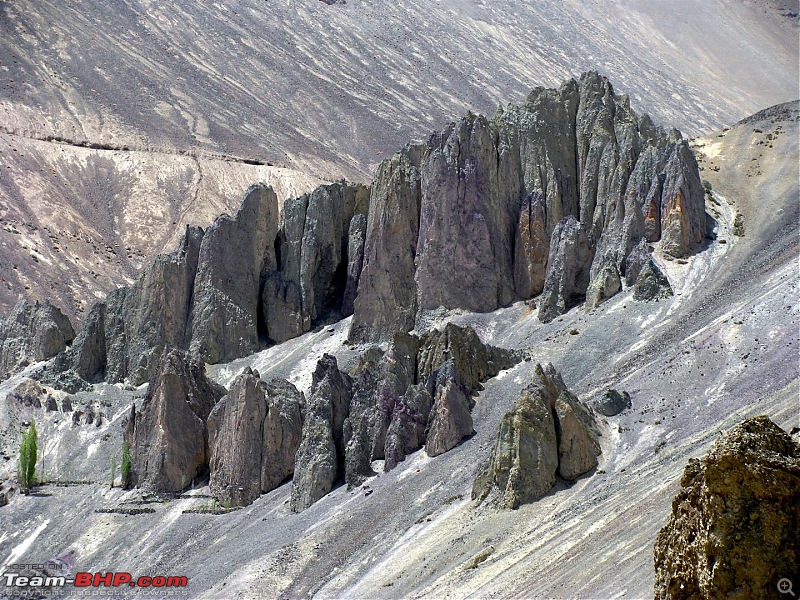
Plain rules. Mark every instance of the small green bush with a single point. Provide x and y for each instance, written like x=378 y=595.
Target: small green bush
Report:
x=28 y=451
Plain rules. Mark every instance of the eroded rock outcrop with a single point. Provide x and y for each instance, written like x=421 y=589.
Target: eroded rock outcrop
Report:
x=552 y=195
x=253 y=434
x=320 y=457
x=234 y=254
x=733 y=528
x=651 y=284
x=168 y=436
x=320 y=250
x=549 y=433
x=125 y=336
x=31 y=333
x=387 y=300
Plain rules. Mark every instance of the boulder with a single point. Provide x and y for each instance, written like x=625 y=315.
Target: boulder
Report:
x=611 y=403
x=733 y=528
x=168 y=436
x=473 y=361
x=651 y=284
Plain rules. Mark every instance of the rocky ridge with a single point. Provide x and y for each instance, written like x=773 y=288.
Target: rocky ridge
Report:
x=558 y=196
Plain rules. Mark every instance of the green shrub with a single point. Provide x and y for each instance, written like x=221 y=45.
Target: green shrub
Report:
x=28 y=451
x=125 y=468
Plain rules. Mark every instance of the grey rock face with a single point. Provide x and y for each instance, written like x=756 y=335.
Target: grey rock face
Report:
x=321 y=246
x=487 y=197
x=233 y=255
x=549 y=433
x=531 y=247
x=168 y=436
x=464 y=250
x=651 y=284
x=567 y=269
x=124 y=337
x=253 y=434
x=320 y=457
x=524 y=458
x=158 y=306
x=577 y=433
x=407 y=430
x=387 y=297
x=282 y=307
x=31 y=333
x=612 y=403
x=451 y=420
x=356 y=237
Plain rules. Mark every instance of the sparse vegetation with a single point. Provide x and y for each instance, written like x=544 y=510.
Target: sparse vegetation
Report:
x=27 y=458
x=125 y=468
x=738 y=225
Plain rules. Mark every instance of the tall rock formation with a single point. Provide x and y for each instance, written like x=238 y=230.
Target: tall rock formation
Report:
x=31 y=333
x=320 y=457
x=733 y=528
x=168 y=435
x=387 y=300
x=234 y=254
x=319 y=247
x=475 y=218
x=253 y=434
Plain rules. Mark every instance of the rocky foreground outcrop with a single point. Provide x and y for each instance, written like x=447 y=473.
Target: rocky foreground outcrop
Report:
x=31 y=333
x=549 y=434
x=555 y=196
x=733 y=528
x=418 y=393
x=253 y=435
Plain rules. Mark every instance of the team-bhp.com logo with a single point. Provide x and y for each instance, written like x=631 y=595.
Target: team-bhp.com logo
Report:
x=96 y=580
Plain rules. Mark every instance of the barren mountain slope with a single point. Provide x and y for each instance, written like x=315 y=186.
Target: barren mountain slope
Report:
x=325 y=89
x=78 y=222
x=723 y=348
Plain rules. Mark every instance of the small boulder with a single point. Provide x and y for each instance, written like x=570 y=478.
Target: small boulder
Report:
x=612 y=403
x=651 y=284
